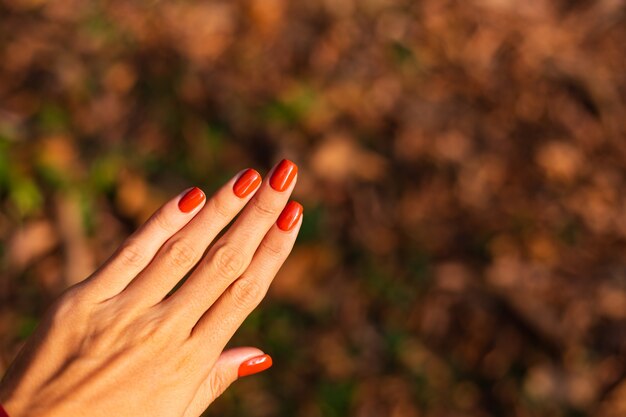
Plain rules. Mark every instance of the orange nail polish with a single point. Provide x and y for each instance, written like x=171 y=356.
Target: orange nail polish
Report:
x=255 y=365
x=289 y=216
x=246 y=183
x=283 y=175
x=191 y=200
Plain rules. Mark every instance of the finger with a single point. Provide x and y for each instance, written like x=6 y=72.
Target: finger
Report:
x=225 y=316
x=231 y=365
x=232 y=254
x=138 y=250
x=184 y=249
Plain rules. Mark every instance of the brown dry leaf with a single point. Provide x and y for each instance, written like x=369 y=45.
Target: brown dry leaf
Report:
x=543 y=382
x=50 y=273
x=596 y=207
x=120 y=77
x=582 y=389
x=480 y=180
x=452 y=276
x=132 y=194
x=339 y=158
x=59 y=153
x=202 y=31
x=452 y=146
x=560 y=161
x=267 y=16
x=611 y=302
x=543 y=248
x=30 y=242
x=66 y=10
x=25 y=4
x=299 y=276
x=333 y=355
x=615 y=403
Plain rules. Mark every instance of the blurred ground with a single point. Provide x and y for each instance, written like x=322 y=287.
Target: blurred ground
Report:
x=462 y=172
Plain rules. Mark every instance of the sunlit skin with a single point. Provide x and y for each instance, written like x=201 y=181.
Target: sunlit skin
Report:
x=116 y=345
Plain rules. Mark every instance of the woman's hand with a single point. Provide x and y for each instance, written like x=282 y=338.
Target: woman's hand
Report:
x=117 y=345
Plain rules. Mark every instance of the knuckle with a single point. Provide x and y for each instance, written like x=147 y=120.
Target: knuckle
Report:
x=217 y=383
x=183 y=363
x=180 y=253
x=263 y=208
x=272 y=249
x=63 y=307
x=229 y=260
x=247 y=293
x=131 y=255
x=151 y=334
x=163 y=222
x=220 y=208
x=70 y=303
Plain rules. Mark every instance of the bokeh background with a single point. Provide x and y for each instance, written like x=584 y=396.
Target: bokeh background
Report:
x=462 y=167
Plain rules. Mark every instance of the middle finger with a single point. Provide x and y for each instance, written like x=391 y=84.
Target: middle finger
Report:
x=231 y=255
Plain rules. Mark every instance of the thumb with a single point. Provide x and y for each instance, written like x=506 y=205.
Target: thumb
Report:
x=232 y=364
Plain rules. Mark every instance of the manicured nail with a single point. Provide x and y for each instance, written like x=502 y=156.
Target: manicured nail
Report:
x=283 y=175
x=289 y=216
x=255 y=365
x=191 y=200
x=247 y=182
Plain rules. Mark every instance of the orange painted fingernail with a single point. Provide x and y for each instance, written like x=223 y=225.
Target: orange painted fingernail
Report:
x=191 y=200
x=247 y=182
x=255 y=365
x=289 y=216
x=284 y=173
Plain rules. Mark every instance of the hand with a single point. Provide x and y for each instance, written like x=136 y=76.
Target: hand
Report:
x=117 y=345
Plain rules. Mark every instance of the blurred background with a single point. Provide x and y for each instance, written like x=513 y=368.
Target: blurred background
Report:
x=462 y=167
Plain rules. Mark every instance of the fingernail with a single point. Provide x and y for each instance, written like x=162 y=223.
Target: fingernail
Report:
x=255 y=365
x=283 y=175
x=191 y=200
x=247 y=182
x=289 y=216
